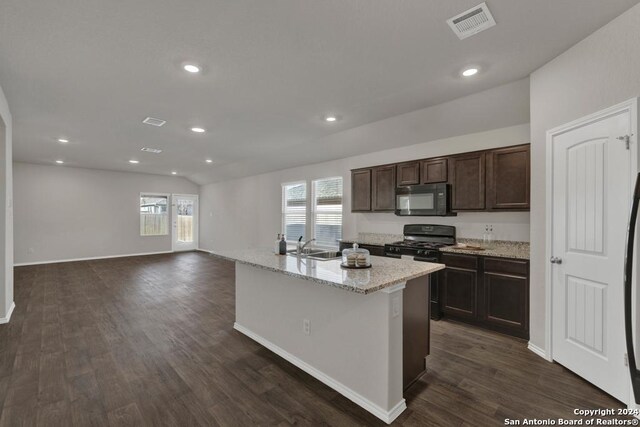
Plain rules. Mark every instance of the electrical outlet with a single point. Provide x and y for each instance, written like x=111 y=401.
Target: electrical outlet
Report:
x=306 y=327
x=395 y=306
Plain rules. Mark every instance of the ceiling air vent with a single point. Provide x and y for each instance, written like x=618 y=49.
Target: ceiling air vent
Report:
x=151 y=150
x=154 y=122
x=472 y=21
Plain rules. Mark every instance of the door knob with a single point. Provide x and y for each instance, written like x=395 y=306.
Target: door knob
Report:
x=555 y=260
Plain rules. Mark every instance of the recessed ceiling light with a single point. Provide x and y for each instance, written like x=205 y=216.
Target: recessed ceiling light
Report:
x=330 y=118
x=154 y=122
x=191 y=68
x=151 y=150
x=197 y=130
x=59 y=162
x=470 y=72
x=134 y=161
x=209 y=161
x=174 y=173
x=63 y=140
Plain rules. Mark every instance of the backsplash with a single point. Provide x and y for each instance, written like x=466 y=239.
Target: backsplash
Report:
x=510 y=226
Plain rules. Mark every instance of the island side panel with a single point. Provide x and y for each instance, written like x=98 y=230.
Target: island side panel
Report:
x=416 y=331
x=354 y=343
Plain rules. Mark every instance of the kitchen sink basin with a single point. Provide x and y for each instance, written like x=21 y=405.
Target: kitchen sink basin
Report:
x=316 y=254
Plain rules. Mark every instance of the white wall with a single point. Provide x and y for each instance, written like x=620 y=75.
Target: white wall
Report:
x=247 y=211
x=67 y=213
x=6 y=216
x=598 y=72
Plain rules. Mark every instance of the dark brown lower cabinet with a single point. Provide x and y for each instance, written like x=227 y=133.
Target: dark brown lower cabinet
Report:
x=373 y=249
x=460 y=287
x=489 y=292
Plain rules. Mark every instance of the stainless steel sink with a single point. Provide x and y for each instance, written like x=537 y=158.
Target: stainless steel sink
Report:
x=315 y=254
x=324 y=256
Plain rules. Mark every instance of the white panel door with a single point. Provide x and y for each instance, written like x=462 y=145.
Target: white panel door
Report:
x=185 y=222
x=591 y=201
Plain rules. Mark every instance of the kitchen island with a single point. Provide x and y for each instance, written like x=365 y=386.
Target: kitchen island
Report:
x=363 y=333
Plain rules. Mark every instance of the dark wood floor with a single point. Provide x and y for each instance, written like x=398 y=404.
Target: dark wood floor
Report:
x=149 y=341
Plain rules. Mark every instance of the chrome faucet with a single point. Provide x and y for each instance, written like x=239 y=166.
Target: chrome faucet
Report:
x=301 y=246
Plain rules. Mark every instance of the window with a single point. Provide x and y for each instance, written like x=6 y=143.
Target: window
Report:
x=154 y=217
x=327 y=211
x=294 y=210
x=321 y=218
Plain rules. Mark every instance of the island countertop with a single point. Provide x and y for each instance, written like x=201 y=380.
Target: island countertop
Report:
x=385 y=272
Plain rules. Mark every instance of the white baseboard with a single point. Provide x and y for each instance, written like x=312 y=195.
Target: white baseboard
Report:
x=21 y=264
x=537 y=350
x=386 y=416
x=9 y=313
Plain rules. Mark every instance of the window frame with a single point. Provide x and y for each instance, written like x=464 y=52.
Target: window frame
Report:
x=283 y=225
x=313 y=210
x=310 y=209
x=154 y=194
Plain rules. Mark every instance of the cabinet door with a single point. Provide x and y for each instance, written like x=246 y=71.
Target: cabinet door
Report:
x=384 y=188
x=468 y=182
x=434 y=171
x=508 y=178
x=408 y=173
x=361 y=190
x=459 y=287
x=506 y=302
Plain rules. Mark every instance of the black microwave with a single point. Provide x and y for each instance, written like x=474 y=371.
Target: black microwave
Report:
x=423 y=200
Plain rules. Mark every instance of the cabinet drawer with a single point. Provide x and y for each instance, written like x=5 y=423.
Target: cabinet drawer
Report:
x=460 y=261
x=506 y=266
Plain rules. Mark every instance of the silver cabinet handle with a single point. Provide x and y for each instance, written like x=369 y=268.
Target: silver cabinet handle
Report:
x=555 y=260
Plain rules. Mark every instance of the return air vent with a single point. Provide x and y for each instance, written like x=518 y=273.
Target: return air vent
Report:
x=472 y=21
x=151 y=150
x=154 y=122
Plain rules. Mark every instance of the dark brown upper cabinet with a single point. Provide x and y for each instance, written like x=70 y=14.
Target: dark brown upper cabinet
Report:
x=434 y=171
x=467 y=182
x=408 y=173
x=361 y=190
x=383 y=194
x=508 y=178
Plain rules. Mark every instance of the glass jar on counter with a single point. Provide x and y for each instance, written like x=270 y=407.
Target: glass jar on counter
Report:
x=356 y=257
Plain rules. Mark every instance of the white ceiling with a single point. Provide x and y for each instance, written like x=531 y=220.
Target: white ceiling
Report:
x=91 y=70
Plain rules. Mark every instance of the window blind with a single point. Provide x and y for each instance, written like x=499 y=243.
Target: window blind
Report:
x=294 y=210
x=327 y=211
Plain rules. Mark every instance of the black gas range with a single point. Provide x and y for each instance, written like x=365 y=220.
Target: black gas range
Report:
x=421 y=241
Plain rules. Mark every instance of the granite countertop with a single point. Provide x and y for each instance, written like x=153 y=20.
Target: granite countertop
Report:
x=385 y=272
x=499 y=249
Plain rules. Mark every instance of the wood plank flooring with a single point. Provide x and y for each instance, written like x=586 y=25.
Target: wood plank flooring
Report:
x=149 y=341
